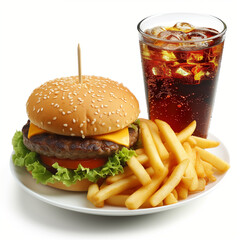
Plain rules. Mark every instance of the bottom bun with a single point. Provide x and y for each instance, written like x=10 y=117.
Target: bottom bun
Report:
x=79 y=186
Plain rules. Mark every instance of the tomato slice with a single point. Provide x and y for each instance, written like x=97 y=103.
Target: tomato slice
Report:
x=73 y=164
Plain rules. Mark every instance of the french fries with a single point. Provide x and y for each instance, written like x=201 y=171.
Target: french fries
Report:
x=173 y=142
x=143 y=193
x=168 y=168
x=151 y=150
x=170 y=184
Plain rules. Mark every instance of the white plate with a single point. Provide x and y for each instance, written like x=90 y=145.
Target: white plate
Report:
x=79 y=203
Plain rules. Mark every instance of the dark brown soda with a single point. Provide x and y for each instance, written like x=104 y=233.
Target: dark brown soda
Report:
x=181 y=79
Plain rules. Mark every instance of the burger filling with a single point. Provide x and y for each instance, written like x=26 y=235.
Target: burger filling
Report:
x=51 y=157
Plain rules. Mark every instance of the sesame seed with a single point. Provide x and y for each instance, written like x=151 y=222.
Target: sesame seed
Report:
x=70 y=129
x=63 y=113
x=54 y=118
x=81 y=125
x=95 y=129
x=65 y=124
x=74 y=120
x=49 y=122
x=109 y=128
x=118 y=125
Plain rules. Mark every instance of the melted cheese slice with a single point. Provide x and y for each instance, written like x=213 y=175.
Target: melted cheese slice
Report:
x=34 y=130
x=120 y=137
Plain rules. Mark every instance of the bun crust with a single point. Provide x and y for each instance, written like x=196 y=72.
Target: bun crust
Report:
x=97 y=106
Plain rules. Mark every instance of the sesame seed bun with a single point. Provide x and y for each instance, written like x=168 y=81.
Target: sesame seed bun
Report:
x=96 y=106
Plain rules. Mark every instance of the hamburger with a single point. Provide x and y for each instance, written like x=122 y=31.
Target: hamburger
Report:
x=76 y=133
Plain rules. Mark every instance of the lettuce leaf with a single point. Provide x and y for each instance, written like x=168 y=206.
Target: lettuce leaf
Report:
x=23 y=157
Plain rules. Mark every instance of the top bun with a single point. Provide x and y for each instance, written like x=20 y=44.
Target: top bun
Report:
x=96 y=106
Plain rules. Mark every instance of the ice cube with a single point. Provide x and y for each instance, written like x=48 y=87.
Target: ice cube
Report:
x=195 y=35
x=183 y=26
x=145 y=51
x=183 y=72
x=157 y=30
x=172 y=35
x=195 y=57
x=168 y=56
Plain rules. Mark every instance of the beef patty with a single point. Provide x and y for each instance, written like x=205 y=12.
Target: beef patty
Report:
x=60 y=146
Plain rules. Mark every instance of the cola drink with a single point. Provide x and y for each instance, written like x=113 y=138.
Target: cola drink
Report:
x=181 y=67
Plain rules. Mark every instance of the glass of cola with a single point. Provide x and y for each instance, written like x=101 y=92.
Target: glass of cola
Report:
x=181 y=56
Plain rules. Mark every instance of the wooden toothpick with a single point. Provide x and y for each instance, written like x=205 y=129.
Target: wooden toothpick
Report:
x=79 y=64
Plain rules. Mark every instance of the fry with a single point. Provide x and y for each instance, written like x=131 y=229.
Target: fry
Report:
x=127 y=172
x=116 y=188
x=139 y=171
x=170 y=199
x=190 y=170
x=172 y=141
x=142 y=158
x=139 y=151
x=201 y=185
x=142 y=194
x=170 y=184
x=205 y=143
x=191 y=141
x=187 y=132
x=174 y=192
x=151 y=150
x=186 y=181
x=208 y=168
x=215 y=161
x=199 y=167
x=117 y=200
x=182 y=191
x=162 y=151
x=93 y=189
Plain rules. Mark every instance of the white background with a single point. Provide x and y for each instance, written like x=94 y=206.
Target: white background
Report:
x=38 y=42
